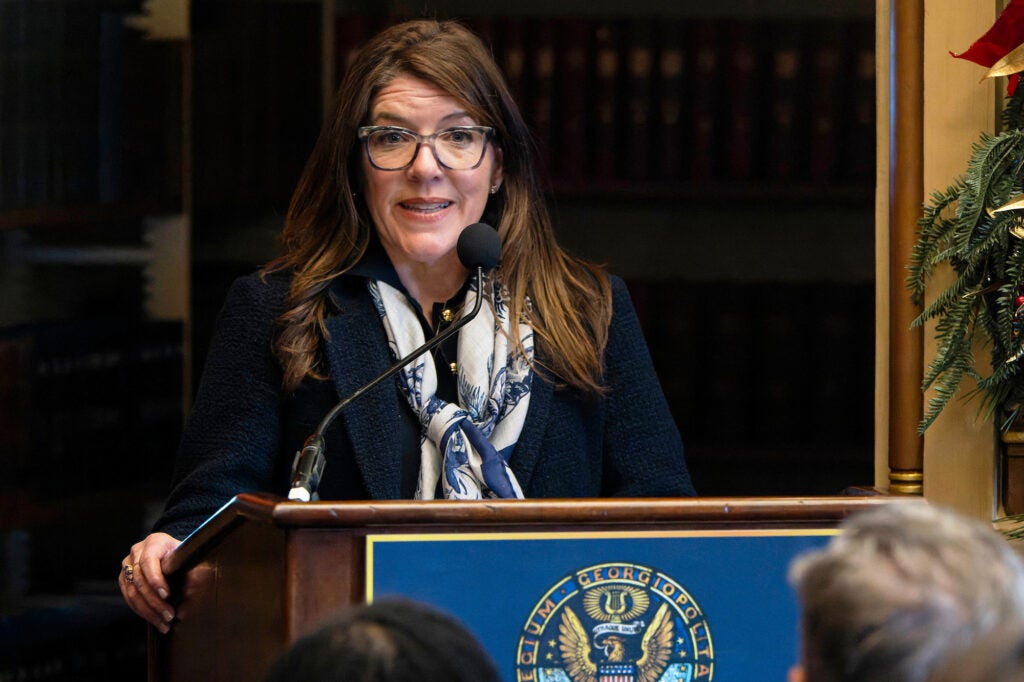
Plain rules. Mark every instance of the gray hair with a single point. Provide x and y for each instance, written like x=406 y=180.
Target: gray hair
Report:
x=997 y=657
x=900 y=590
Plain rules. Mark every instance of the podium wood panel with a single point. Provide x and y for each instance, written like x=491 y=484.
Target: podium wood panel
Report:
x=263 y=571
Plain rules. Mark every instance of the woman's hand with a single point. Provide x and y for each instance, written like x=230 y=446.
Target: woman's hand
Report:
x=143 y=583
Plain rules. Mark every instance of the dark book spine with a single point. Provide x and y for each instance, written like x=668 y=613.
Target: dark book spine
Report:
x=672 y=118
x=786 y=100
x=8 y=122
x=860 y=138
x=513 y=55
x=606 y=117
x=152 y=123
x=575 y=97
x=15 y=402
x=707 y=73
x=485 y=27
x=56 y=88
x=675 y=336
x=24 y=134
x=83 y=136
x=841 y=346
x=640 y=101
x=109 y=124
x=780 y=383
x=729 y=352
x=743 y=101
x=351 y=31
x=542 y=90
x=828 y=77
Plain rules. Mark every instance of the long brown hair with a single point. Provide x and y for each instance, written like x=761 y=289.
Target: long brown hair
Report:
x=328 y=229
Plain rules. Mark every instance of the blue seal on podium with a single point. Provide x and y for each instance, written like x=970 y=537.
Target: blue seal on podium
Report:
x=616 y=622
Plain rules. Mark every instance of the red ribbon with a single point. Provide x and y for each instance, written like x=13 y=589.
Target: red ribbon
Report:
x=1004 y=36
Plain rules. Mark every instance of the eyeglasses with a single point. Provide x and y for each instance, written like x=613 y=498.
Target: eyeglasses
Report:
x=394 y=148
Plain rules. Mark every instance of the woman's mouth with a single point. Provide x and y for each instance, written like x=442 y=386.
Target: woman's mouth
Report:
x=425 y=206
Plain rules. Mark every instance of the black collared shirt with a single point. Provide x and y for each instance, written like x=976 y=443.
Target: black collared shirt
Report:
x=375 y=264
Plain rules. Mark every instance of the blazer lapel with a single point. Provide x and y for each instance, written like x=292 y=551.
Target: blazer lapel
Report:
x=528 y=449
x=357 y=353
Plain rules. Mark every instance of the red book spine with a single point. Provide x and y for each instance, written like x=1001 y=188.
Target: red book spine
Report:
x=575 y=97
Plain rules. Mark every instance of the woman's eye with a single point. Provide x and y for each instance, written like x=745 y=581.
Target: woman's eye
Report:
x=459 y=136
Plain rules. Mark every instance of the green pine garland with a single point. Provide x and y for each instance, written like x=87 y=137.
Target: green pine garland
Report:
x=959 y=227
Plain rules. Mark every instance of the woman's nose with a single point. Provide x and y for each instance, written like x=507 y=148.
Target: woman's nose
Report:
x=425 y=164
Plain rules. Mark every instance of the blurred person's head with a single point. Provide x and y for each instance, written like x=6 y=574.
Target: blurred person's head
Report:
x=900 y=591
x=391 y=640
x=997 y=657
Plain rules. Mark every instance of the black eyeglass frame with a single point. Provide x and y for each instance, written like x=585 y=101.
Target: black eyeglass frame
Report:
x=364 y=133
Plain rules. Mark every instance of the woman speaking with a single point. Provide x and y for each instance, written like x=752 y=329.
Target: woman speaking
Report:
x=548 y=391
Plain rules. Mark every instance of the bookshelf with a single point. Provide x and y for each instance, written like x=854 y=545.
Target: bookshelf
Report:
x=240 y=102
x=94 y=321
x=780 y=210
x=138 y=177
x=720 y=158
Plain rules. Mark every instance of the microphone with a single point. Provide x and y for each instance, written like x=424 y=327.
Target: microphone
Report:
x=478 y=248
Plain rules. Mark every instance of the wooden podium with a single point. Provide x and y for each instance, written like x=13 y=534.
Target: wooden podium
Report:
x=263 y=571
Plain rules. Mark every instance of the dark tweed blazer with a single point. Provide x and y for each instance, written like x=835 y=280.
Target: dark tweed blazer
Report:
x=243 y=432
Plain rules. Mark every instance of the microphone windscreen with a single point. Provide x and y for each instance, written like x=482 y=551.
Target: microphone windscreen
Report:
x=479 y=246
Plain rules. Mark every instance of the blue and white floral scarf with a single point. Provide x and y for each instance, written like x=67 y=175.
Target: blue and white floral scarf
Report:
x=470 y=442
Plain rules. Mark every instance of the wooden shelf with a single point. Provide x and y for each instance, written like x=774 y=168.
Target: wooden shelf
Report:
x=613 y=191
x=87 y=214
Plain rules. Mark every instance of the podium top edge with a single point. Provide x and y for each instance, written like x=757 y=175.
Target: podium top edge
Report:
x=570 y=511
x=363 y=517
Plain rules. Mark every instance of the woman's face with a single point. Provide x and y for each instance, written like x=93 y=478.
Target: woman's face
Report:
x=420 y=211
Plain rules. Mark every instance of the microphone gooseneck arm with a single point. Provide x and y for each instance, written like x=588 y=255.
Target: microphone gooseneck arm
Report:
x=478 y=247
x=429 y=345
x=309 y=462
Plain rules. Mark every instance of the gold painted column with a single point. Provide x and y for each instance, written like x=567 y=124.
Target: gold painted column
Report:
x=906 y=189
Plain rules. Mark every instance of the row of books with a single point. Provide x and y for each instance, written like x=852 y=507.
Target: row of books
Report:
x=256 y=103
x=80 y=398
x=764 y=363
x=695 y=100
x=770 y=383
x=84 y=115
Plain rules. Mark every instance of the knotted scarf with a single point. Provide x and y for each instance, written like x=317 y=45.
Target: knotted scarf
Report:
x=465 y=445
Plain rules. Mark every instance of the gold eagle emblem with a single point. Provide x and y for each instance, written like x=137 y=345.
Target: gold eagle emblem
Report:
x=577 y=651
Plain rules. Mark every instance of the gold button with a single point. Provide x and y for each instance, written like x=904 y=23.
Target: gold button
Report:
x=447 y=315
x=454 y=368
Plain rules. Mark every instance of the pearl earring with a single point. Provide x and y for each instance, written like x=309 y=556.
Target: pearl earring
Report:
x=494 y=187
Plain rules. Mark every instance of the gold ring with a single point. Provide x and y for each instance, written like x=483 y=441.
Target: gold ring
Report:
x=129 y=573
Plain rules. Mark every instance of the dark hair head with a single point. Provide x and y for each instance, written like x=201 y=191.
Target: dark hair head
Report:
x=324 y=214
x=391 y=640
